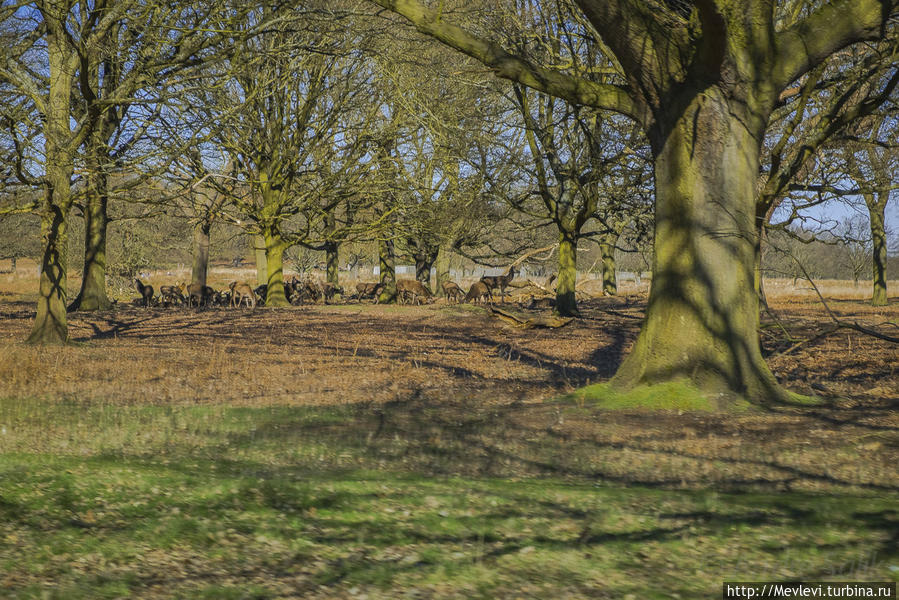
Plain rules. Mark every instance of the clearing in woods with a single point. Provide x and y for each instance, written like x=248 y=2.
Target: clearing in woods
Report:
x=372 y=451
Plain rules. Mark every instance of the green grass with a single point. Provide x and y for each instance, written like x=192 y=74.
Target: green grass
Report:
x=675 y=395
x=199 y=502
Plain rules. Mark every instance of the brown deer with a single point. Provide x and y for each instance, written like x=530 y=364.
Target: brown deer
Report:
x=145 y=291
x=479 y=291
x=171 y=294
x=500 y=281
x=240 y=292
x=369 y=290
x=452 y=291
x=413 y=291
x=201 y=294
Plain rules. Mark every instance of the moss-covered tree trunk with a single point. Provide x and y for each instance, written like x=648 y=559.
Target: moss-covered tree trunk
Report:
x=200 y=247
x=876 y=211
x=702 y=319
x=566 y=302
x=387 y=266
x=259 y=254
x=332 y=263
x=274 y=261
x=442 y=268
x=609 y=278
x=92 y=295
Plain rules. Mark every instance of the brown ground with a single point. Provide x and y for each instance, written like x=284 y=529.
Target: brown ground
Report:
x=460 y=363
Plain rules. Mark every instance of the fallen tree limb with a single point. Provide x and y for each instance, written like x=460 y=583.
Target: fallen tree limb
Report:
x=539 y=322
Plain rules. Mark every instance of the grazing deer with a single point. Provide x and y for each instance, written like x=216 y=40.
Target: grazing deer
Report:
x=201 y=294
x=369 y=290
x=145 y=291
x=261 y=292
x=329 y=290
x=413 y=291
x=452 y=291
x=240 y=292
x=499 y=281
x=479 y=291
x=171 y=295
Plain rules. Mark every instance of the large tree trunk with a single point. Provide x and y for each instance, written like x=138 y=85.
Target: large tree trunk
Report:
x=609 y=278
x=702 y=319
x=92 y=295
x=259 y=253
x=200 y=264
x=566 y=302
x=332 y=262
x=274 y=260
x=387 y=266
x=879 y=253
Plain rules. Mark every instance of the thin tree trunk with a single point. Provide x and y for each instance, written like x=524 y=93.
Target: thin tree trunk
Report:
x=609 y=278
x=879 y=253
x=442 y=272
x=259 y=252
x=423 y=263
x=274 y=260
x=566 y=302
x=200 y=264
x=702 y=319
x=92 y=295
x=387 y=265
x=332 y=261
x=50 y=325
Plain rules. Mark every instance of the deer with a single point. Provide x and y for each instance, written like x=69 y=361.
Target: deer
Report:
x=413 y=290
x=452 y=291
x=499 y=281
x=171 y=294
x=369 y=290
x=240 y=292
x=478 y=291
x=145 y=291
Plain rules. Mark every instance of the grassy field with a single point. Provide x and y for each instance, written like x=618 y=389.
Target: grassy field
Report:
x=425 y=452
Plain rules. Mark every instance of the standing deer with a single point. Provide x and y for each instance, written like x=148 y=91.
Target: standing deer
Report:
x=452 y=291
x=499 y=281
x=479 y=291
x=413 y=291
x=240 y=292
x=145 y=291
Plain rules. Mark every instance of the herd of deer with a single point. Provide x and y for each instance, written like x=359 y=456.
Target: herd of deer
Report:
x=301 y=291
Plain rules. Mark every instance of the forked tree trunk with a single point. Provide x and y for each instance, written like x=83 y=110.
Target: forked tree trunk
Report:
x=200 y=264
x=702 y=319
x=92 y=295
x=259 y=253
x=387 y=266
x=609 y=278
x=566 y=302
x=879 y=253
x=274 y=260
x=332 y=262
